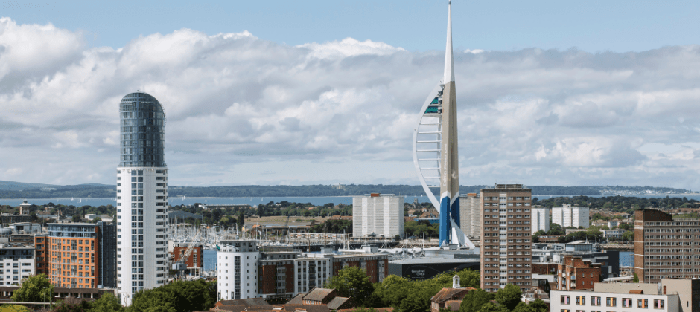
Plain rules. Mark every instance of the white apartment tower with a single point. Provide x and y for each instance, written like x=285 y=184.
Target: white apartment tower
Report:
x=470 y=214
x=237 y=270
x=142 y=197
x=540 y=219
x=376 y=214
x=568 y=216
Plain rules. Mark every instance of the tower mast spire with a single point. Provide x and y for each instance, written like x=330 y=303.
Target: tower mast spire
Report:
x=449 y=58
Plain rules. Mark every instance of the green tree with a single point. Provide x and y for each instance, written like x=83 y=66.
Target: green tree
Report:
x=491 y=307
x=76 y=218
x=636 y=278
x=628 y=236
x=539 y=306
x=523 y=307
x=352 y=282
x=106 y=303
x=469 y=278
x=176 y=297
x=509 y=296
x=36 y=288
x=474 y=300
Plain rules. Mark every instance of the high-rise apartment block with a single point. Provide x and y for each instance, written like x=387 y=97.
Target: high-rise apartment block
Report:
x=664 y=247
x=540 y=219
x=142 y=197
x=506 y=237
x=82 y=255
x=568 y=216
x=377 y=215
x=470 y=214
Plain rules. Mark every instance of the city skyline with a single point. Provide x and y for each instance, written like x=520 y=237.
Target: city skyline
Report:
x=244 y=109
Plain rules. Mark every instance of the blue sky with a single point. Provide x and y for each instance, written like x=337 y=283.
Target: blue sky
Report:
x=415 y=25
x=309 y=92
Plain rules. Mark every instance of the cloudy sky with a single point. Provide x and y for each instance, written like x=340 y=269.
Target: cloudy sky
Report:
x=329 y=92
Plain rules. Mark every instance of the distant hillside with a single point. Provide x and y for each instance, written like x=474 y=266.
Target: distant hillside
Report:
x=94 y=190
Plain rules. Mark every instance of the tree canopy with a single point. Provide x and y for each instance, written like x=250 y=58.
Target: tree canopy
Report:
x=179 y=296
x=352 y=282
x=36 y=288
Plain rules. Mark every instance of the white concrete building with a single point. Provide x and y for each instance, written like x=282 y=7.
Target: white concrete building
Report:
x=568 y=216
x=16 y=264
x=587 y=301
x=470 y=213
x=540 y=219
x=142 y=197
x=615 y=234
x=237 y=270
x=375 y=214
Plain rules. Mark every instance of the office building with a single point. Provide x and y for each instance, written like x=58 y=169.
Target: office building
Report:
x=540 y=220
x=567 y=216
x=142 y=197
x=506 y=239
x=16 y=264
x=470 y=214
x=664 y=247
x=82 y=255
x=377 y=215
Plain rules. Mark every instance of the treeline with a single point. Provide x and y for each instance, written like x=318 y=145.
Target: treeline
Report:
x=618 y=203
x=77 y=191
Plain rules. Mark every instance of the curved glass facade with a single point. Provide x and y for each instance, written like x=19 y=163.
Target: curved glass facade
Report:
x=142 y=131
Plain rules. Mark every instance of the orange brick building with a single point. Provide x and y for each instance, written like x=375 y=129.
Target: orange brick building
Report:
x=577 y=274
x=82 y=255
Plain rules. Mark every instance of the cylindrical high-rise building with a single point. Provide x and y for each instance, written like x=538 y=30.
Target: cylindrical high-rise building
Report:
x=142 y=197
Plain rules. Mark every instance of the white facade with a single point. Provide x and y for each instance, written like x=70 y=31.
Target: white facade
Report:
x=617 y=234
x=142 y=239
x=381 y=215
x=540 y=219
x=311 y=273
x=587 y=301
x=237 y=270
x=568 y=216
x=470 y=214
x=16 y=264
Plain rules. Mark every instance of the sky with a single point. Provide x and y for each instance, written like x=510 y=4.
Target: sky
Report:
x=321 y=92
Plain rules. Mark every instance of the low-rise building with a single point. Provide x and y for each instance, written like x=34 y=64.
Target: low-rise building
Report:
x=577 y=274
x=613 y=234
x=582 y=300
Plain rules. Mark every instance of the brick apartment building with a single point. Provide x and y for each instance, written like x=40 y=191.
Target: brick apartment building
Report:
x=506 y=237
x=195 y=259
x=665 y=248
x=577 y=274
x=41 y=259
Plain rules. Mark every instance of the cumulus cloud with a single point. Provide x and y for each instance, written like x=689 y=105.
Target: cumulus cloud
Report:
x=244 y=110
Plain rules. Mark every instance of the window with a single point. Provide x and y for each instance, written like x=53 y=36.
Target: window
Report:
x=658 y=303
x=565 y=300
x=580 y=300
x=595 y=300
x=626 y=302
x=611 y=302
x=642 y=303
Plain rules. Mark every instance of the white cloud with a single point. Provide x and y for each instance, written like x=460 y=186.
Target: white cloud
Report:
x=244 y=110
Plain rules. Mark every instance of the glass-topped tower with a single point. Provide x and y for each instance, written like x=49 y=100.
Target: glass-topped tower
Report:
x=142 y=197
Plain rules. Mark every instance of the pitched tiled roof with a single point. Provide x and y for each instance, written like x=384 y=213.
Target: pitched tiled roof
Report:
x=449 y=293
x=318 y=294
x=297 y=300
x=337 y=302
x=307 y=308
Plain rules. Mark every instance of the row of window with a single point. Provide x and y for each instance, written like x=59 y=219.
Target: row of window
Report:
x=612 y=302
